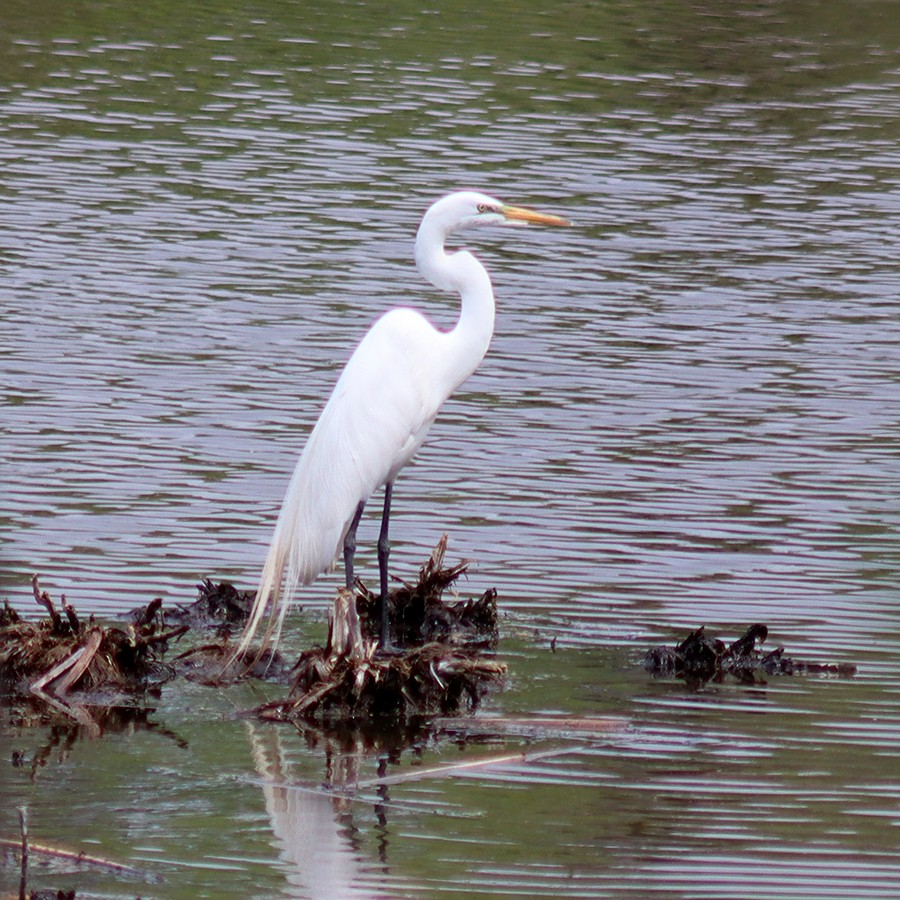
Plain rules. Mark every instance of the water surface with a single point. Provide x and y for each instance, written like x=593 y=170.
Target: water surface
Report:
x=688 y=415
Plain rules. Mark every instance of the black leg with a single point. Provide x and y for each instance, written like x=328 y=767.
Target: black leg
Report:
x=350 y=545
x=384 y=551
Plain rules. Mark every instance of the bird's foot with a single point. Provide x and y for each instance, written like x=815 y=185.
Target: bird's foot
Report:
x=389 y=649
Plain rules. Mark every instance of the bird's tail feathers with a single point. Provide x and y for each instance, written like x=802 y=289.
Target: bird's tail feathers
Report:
x=269 y=596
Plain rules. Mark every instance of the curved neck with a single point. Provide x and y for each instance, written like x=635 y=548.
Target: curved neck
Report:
x=462 y=273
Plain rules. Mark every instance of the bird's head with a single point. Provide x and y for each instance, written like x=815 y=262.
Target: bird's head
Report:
x=472 y=209
x=464 y=211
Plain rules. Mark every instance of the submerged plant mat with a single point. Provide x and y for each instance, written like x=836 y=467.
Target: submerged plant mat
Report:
x=442 y=662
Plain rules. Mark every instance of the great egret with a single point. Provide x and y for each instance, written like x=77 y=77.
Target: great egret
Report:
x=379 y=413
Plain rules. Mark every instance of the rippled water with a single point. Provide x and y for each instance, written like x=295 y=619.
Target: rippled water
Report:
x=689 y=413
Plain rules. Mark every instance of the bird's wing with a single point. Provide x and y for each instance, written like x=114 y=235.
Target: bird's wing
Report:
x=375 y=420
x=373 y=423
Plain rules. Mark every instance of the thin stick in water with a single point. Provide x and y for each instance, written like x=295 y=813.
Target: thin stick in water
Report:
x=23 y=828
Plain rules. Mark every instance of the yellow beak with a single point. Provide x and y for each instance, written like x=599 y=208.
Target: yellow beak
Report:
x=529 y=216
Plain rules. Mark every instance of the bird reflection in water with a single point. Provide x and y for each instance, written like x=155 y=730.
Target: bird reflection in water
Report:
x=315 y=825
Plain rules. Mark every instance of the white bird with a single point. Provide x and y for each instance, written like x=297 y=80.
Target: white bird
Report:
x=379 y=414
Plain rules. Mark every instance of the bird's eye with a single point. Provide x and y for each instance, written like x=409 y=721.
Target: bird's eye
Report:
x=484 y=207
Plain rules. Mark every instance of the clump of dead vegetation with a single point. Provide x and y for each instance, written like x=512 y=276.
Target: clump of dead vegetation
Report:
x=441 y=662
x=219 y=607
x=62 y=653
x=700 y=658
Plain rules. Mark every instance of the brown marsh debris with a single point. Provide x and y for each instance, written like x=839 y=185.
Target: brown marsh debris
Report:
x=700 y=658
x=62 y=653
x=219 y=606
x=419 y=615
x=441 y=664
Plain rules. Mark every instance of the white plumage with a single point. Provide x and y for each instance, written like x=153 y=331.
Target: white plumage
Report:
x=381 y=409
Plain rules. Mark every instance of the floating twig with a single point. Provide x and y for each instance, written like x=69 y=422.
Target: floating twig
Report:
x=77 y=857
x=533 y=726
x=449 y=770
